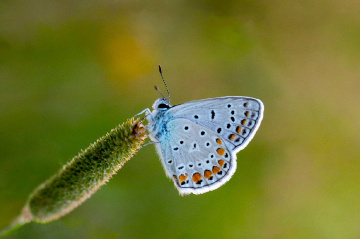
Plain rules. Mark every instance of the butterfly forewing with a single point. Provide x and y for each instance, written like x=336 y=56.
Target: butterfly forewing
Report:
x=195 y=157
x=235 y=119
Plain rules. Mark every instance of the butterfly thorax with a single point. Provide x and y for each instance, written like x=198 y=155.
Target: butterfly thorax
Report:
x=158 y=119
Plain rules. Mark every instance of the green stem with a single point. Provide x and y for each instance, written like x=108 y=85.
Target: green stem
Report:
x=24 y=218
x=82 y=176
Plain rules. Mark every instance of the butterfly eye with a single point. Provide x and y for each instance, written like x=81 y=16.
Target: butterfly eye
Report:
x=163 y=106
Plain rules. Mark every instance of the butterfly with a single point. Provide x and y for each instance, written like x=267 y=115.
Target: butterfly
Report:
x=197 y=141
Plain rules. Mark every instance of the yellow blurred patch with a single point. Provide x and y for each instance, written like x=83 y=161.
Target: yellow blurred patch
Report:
x=123 y=57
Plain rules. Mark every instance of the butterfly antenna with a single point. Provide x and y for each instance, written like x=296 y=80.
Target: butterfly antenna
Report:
x=157 y=89
x=162 y=77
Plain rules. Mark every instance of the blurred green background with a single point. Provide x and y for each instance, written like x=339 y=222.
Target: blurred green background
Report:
x=72 y=70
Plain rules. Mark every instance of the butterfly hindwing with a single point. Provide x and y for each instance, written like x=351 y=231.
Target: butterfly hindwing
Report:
x=195 y=157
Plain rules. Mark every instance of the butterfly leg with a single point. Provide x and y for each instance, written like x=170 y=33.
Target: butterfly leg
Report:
x=146 y=111
x=142 y=146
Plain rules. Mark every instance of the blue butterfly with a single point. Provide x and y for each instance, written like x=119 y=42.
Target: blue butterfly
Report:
x=198 y=141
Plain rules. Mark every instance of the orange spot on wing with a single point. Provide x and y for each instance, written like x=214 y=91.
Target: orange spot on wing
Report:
x=182 y=178
x=238 y=129
x=219 y=141
x=221 y=162
x=243 y=122
x=196 y=177
x=207 y=174
x=220 y=151
x=174 y=176
x=232 y=136
x=247 y=113
x=216 y=169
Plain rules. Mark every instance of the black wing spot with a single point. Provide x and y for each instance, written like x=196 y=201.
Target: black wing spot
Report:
x=170 y=161
x=196 y=116
x=212 y=114
x=202 y=133
x=232 y=112
x=229 y=105
x=207 y=161
x=246 y=104
x=228 y=126
x=186 y=127
x=181 y=142
x=194 y=146
x=181 y=167
x=226 y=155
x=176 y=149
x=219 y=130
x=232 y=119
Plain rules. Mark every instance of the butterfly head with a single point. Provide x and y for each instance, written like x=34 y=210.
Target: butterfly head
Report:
x=161 y=104
x=156 y=117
